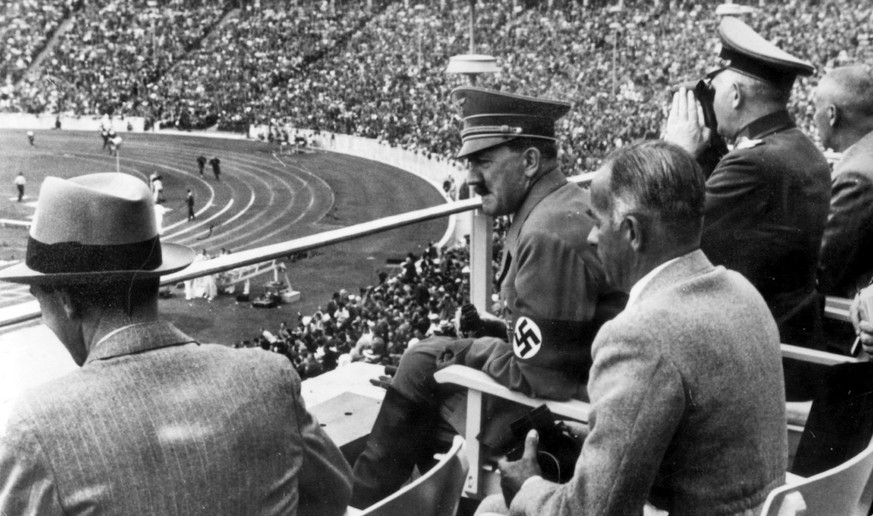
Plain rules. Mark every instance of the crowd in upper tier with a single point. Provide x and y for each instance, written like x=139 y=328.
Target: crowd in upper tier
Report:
x=378 y=70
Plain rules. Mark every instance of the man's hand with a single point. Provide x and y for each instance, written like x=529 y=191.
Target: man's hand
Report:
x=685 y=124
x=513 y=474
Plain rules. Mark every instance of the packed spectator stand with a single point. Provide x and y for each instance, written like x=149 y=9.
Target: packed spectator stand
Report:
x=378 y=322
x=377 y=69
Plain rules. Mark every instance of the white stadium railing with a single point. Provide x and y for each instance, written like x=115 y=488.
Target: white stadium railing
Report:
x=480 y=255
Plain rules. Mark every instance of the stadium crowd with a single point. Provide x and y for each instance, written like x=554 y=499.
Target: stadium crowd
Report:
x=25 y=28
x=379 y=72
x=111 y=54
x=377 y=323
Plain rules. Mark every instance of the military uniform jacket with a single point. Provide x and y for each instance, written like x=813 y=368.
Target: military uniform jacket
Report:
x=766 y=207
x=554 y=294
x=155 y=423
x=847 y=247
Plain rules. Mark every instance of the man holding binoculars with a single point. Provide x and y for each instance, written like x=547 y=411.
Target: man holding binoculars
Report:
x=767 y=199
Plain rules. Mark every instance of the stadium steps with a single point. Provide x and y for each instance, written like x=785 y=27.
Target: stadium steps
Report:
x=33 y=71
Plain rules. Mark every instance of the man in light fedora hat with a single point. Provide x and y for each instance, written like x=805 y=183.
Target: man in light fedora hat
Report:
x=153 y=422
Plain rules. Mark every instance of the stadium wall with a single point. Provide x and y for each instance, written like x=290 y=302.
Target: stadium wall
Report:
x=28 y=121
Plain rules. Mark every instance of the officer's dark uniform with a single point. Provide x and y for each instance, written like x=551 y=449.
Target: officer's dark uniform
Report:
x=554 y=297
x=767 y=199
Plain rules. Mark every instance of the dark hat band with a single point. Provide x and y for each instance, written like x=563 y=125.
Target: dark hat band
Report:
x=750 y=66
x=73 y=257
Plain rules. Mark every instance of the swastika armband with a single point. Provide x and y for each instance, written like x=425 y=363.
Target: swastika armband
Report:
x=560 y=345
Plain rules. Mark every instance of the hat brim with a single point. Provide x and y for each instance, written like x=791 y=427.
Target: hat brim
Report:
x=174 y=257
x=473 y=146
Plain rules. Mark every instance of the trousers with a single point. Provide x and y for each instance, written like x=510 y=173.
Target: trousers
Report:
x=419 y=417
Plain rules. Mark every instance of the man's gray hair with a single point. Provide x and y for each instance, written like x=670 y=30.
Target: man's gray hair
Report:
x=661 y=181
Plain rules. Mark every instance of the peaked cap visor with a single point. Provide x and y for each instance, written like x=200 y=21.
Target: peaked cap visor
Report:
x=749 y=53
x=492 y=118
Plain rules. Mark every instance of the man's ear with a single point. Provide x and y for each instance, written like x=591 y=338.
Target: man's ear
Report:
x=737 y=96
x=72 y=308
x=834 y=115
x=531 y=157
x=634 y=232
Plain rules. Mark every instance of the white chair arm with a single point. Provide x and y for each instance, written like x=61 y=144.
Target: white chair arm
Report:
x=815 y=356
x=479 y=381
x=837 y=308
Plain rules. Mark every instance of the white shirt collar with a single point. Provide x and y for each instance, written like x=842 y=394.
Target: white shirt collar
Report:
x=645 y=280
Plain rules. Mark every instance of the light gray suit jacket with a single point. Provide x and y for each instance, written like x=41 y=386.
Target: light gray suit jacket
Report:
x=155 y=423
x=688 y=404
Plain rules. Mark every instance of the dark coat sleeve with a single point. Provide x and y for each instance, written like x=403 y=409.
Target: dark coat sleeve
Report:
x=736 y=193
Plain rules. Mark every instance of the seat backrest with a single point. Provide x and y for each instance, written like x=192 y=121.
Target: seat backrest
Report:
x=840 y=422
x=845 y=490
x=436 y=493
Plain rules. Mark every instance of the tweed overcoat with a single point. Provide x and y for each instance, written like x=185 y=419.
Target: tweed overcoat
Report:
x=156 y=423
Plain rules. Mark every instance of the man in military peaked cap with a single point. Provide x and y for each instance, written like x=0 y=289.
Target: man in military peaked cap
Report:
x=767 y=199
x=552 y=290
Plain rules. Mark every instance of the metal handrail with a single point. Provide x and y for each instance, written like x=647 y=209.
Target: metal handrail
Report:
x=30 y=310
x=836 y=308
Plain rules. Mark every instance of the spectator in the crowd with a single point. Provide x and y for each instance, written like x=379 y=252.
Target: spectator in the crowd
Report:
x=844 y=116
x=767 y=200
x=231 y=423
x=552 y=288
x=687 y=401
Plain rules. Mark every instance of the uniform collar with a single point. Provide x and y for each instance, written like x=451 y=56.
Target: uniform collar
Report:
x=546 y=184
x=766 y=125
x=137 y=338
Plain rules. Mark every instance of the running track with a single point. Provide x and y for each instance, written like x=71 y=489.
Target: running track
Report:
x=262 y=197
